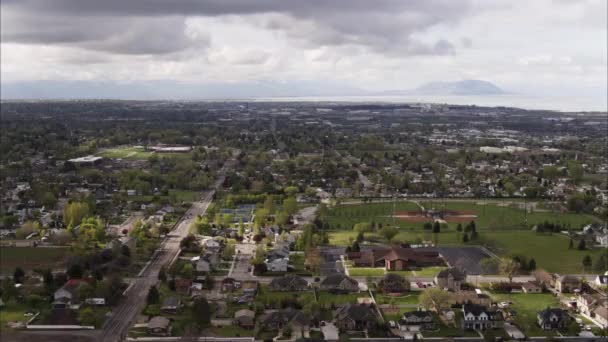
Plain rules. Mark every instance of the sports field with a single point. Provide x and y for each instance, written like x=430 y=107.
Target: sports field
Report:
x=487 y=214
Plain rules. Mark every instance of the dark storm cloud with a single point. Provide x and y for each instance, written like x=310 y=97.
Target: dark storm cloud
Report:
x=157 y=27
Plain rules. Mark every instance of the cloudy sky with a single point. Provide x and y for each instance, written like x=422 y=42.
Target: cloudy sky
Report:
x=535 y=46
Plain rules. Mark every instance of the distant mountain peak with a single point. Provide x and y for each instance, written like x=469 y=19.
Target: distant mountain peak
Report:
x=464 y=87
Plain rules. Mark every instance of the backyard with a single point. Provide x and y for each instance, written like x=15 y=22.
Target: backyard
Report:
x=526 y=307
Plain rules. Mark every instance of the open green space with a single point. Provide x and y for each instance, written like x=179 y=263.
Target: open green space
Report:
x=526 y=307
x=366 y=271
x=30 y=258
x=505 y=214
x=550 y=251
x=138 y=153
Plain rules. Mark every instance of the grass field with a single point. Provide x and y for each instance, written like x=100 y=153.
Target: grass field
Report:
x=411 y=298
x=526 y=307
x=138 y=153
x=30 y=258
x=11 y=312
x=491 y=214
x=366 y=271
x=550 y=251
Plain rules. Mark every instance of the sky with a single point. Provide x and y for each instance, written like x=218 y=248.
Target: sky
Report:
x=541 y=47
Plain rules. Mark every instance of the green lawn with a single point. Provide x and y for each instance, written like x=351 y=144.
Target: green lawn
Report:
x=138 y=153
x=550 y=251
x=266 y=297
x=229 y=331
x=526 y=307
x=407 y=298
x=30 y=258
x=327 y=298
x=423 y=272
x=10 y=312
x=366 y=271
x=491 y=214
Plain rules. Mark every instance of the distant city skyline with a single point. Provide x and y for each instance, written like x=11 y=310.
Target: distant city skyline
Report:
x=228 y=48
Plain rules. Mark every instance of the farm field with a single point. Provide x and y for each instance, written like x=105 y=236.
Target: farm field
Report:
x=30 y=258
x=527 y=306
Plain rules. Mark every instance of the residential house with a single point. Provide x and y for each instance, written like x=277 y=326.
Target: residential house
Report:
x=183 y=286
x=159 y=326
x=339 y=282
x=479 y=317
x=601 y=280
x=531 y=287
x=202 y=266
x=244 y=318
x=230 y=284
x=567 y=283
x=356 y=317
x=296 y=319
x=450 y=279
x=421 y=319
x=552 y=319
x=395 y=258
x=277 y=265
x=68 y=295
x=601 y=315
x=394 y=283
x=289 y=282
x=171 y=305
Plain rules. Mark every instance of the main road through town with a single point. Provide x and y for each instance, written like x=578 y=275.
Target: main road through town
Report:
x=123 y=316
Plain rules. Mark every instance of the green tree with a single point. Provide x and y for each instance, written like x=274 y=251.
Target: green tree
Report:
x=434 y=299
x=389 y=233
x=153 y=296
x=18 y=275
x=575 y=171
x=290 y=206
x=586 y=262
x=86 y=316
x=201 y=313
x=509 y=268
x=74 y=212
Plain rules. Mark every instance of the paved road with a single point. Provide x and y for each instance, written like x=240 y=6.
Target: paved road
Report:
x=117 y=326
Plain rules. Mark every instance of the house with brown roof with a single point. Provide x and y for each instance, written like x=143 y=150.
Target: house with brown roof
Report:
x=339 y=282
x=159 y=326
x=244 y=318
x=296 y=319
x=395 y=258
x=531 y=287
x=356 y=317
x=289 y=282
